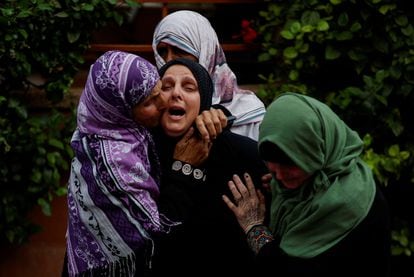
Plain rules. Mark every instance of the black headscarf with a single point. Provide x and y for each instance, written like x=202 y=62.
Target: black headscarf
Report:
x=205 y=84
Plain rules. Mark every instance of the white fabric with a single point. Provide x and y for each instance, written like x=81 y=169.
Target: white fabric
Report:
x=193 y=33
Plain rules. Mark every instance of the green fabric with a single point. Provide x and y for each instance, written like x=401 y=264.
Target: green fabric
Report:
x=316 y=216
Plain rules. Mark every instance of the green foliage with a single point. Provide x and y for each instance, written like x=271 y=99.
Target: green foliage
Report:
x=403 y=241
x=42 y=43
x=385 y=165
x=358 y=57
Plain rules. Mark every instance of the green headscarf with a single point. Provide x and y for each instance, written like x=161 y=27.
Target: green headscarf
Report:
x=316 y=216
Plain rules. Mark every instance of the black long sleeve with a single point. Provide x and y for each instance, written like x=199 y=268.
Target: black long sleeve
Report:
x=366 y=249
x=209 y=241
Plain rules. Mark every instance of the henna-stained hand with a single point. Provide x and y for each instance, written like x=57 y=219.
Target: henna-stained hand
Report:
x=249 y=203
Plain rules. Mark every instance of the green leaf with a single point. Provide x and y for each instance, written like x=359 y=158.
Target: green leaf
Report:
x=56 y=143
x=87 y=7
x=381 y=45
x=356 y=56
x=331 y=53
x=307 y=29
x=386 y=8
x=394 y=150
x=401 y=20
x=62 y=14
x=295 y=27
x=290 y=53
x=310 y=18
x=293 y=75
x=287 y=34
x=45 y=205
x=408 y=31
x=61 y=191
x=343 y=19
x=273 y=51
x=322 y=26
x=24 y=14
x=51 y=158
x=73 y=37
x=13 y=104
x=7 y=11
x=44 y=7
x=23 y=33
x=356 y=26
x=264 y=57
x=346 y=35
x=36 y=177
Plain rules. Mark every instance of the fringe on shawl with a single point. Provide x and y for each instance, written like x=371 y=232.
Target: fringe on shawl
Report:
x=124 y=267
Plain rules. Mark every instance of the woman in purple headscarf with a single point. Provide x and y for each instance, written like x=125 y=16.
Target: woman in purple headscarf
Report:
x=113 y=184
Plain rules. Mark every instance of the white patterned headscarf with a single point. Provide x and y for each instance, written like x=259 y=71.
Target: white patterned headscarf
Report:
x=193 y=33
x=113 y=185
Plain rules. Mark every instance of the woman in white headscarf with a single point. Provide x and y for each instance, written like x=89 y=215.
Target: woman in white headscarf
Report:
x=189 y=34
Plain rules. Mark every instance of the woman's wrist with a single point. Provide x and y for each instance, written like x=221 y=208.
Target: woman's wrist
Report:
x=257 y=236
x=250 y=227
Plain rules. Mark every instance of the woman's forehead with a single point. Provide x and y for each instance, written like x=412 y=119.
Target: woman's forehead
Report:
x=178 y=68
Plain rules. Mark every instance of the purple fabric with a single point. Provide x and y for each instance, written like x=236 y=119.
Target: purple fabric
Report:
x=113 y=186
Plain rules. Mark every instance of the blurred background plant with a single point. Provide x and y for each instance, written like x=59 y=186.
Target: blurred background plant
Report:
x=358 y=57
x=42 y=43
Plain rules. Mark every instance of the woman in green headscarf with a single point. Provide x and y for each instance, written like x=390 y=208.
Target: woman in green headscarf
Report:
x=327 y=215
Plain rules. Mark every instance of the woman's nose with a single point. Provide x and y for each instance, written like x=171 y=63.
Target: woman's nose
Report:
x=177 y=91
x=274 y=168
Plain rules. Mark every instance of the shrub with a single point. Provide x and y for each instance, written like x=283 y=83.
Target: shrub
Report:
x=42 y=44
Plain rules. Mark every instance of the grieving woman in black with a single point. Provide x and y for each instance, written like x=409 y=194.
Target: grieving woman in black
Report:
x=208 y=240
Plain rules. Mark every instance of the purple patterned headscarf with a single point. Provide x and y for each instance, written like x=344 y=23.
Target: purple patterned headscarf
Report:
x=113 y=185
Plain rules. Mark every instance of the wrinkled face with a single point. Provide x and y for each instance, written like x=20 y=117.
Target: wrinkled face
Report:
x=169 y=52
x=290 y=175
x=148 y=112
x=183 y=100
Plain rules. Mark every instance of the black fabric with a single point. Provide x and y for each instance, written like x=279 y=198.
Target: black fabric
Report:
x=271 y=152
x=210 y=241
x=205 y=84
x=230 y=117
x=361 y=252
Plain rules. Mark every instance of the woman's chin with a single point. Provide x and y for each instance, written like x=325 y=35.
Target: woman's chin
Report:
x=290 y=185
x=174 y=132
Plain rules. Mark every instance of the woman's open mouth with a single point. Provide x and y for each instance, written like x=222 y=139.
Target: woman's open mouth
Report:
x=176 y=112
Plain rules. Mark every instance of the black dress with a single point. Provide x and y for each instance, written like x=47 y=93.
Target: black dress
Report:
x=210 y=240
x=364 y=251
